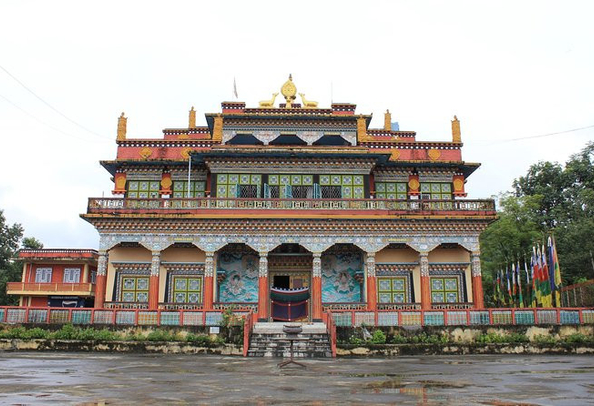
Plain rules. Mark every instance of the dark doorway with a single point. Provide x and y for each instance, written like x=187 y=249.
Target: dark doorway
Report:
x=282 y=281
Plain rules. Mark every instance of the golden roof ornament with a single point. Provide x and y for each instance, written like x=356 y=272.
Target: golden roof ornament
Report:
x=122 y=121
x=456 y=133
x=288 y=90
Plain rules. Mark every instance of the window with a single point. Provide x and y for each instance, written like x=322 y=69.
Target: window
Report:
x=331 y=192
x=187 y=289
x=391 y=190
x=291 y=186
x=180 y=189
x=72 y=275
x=135 y=289
x=231 y=185
x=43 y=275
x=351 y=186
x=444 y=290
x=436 y=191
x=143 y=189
x=392 y=290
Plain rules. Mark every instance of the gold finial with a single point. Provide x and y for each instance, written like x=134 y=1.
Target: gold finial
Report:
x=192 y=121
x=308 y=104
x=456 y=134
x=388 y=121
x=122 y=121
x=288 y=90
x=361 y=129
x=217 y=131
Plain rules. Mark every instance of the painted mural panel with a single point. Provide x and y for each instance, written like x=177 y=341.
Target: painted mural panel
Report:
x=240 y=283
x=339 y=283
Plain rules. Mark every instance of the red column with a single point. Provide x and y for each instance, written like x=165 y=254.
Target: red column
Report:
x=477 y=281
x=263 y=287
x=153 y=303
x=425 y=288
x=208 y=281
x=371 y=282
x=316 y=287
x=101 y=280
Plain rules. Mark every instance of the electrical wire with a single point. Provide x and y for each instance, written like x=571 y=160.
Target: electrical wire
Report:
x=49 y=105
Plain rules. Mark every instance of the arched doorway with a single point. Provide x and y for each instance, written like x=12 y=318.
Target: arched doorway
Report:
x=289 y=270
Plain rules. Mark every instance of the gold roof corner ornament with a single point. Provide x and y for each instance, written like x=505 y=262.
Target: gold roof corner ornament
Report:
x=308 y=104
x=268 y=103
x=388 y=121
x=192 y=119
x=122 y=121
x=288 y=90
x=456 y=134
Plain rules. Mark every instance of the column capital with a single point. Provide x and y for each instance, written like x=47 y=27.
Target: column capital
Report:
x=209 y=264
x=263 y=265
x=156 y=263
x=370 y=262
x=317 y=265
x=475 y=264
x=424 y=262
x=102 y=263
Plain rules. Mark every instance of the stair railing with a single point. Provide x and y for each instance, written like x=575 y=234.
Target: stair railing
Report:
x=248 y=325
x=331 y=328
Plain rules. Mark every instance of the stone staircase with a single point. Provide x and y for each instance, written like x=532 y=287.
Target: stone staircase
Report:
x=269 y=340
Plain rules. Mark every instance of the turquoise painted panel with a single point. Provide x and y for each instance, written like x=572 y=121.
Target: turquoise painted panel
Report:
x=241 y=277
x=338 y=278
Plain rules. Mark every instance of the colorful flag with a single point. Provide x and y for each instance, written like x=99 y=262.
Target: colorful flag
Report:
x=536 y=277
x=234 y=88
x=546 y=285
x=556 y=271
x=519 y=277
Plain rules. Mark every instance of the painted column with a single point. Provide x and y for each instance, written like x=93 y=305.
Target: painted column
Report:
x=425 y=287
x=316 y=287
x=263 y=287
x=477 y=280
x=101 y=280
x=153 y=302
x=209 y=272
x=371 y=282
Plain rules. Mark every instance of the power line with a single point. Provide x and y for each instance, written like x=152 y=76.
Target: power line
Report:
x=49 y=105
x=41 y=121
x=540 y=136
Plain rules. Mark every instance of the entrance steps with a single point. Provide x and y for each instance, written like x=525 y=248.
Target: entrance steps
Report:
x=269 y=340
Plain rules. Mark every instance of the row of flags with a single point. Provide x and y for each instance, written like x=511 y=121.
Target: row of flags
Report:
x=537 y=284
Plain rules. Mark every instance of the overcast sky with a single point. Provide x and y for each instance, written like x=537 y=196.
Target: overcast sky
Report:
x=507 y=69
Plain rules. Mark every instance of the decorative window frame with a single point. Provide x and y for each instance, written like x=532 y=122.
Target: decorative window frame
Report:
x=398 y=270
x=182 y=269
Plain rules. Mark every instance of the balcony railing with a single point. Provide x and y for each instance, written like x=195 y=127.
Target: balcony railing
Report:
x=197 y=205
x=20 y=288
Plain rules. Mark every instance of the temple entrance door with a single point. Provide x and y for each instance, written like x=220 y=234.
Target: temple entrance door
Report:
x=289 y=295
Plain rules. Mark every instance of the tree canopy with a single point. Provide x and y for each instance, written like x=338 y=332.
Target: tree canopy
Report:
x=10 y=243
x=549 y=199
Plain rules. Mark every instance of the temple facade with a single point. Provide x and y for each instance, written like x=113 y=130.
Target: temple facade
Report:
x=288 y=209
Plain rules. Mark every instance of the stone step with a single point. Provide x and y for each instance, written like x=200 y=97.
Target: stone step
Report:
x=269 y=340
x=277 y=327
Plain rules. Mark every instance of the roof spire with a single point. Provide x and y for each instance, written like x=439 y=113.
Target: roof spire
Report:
x=288 y=90
x=122 y=122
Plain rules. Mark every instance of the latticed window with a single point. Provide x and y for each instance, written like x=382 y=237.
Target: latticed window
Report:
x=238 y=185
x=390 y=190
x=436 y=190
x=71 y=275
x=351 y=186
x=135 y=289
x=180 y=188
x=143 y=189
x=290 y=186
x=392 y=290
x=43 y=275
x=187 y=289
x=444 y=290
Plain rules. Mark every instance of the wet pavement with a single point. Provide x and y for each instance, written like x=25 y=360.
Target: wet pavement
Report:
x=122 y=379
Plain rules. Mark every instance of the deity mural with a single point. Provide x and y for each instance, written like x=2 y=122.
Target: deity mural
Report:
x=240 y=283
x=339 y=283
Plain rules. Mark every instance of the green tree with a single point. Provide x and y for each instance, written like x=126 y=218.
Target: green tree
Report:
x=10 y=236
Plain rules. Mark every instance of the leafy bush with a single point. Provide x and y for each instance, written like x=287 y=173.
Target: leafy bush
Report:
x=201 y=340
x=378 y=337
x=398 y=339
x=542 y=339
x=578 y=338
x=35 y=333
x=160 y=335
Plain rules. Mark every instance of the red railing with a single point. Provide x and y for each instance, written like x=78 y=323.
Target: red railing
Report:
x=54 y=288
x=403 y=318
x=195 y=205
x=248 y=326
x=331 y=328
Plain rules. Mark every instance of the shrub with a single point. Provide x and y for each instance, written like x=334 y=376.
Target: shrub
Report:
x=578 y=338
x=160 y=335
x=542 y=339
x=378 y=337
x=397 y=339
x=35 y=333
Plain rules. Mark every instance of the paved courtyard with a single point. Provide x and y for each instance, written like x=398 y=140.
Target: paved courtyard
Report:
x=121 y=379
